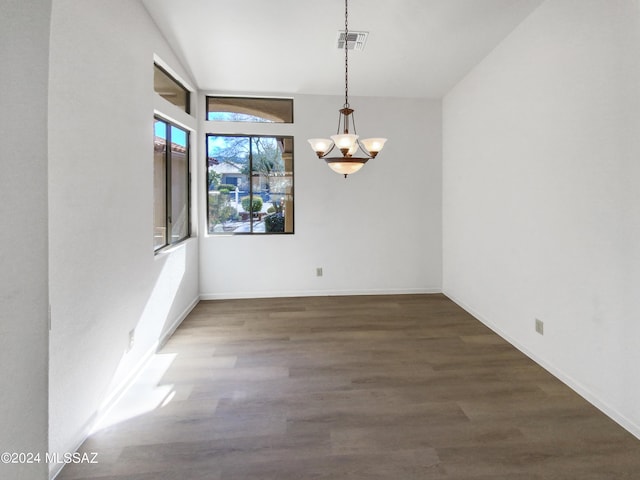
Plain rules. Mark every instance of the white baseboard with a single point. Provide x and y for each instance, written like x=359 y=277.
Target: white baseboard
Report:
x=174 y=326
x=317 y=293
x=56 y=468
x=108 y=403
x=572 y=383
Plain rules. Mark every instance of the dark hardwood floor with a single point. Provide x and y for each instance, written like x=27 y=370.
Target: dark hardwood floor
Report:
x=380 y=387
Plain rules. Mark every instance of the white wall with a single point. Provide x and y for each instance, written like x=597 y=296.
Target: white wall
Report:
x=541 y=199
x=378 y=231
x=24 y=47
x=104 y=277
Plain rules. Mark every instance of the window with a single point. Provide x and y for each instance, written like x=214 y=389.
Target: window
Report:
x=250 y=177
x=171 y=184
x=250 y=184
x=170 y=89
x=246 y=109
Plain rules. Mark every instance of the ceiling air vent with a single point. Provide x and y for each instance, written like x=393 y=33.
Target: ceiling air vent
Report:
x=355 y=40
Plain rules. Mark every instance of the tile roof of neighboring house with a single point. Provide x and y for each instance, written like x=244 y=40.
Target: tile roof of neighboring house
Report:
x=159 y=145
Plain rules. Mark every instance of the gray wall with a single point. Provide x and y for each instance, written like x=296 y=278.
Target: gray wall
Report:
x=24 y=54
x=378 y=231
x=541 y=198
x=104 y=277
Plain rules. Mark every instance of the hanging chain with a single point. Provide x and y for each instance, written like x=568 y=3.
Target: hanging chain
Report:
x=346 y=54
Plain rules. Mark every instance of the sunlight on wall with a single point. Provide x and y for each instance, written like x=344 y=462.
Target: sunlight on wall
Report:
x=148 y=335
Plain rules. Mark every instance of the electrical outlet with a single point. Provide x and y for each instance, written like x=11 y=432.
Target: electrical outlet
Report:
x=539 y=326
x=132 y=339
x=319 y=272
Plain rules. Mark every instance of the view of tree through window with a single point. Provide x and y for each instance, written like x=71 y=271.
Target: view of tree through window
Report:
x=250 y=184
x=249 y=109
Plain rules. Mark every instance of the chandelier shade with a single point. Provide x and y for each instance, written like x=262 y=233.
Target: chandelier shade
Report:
x=321 y=145
x=373 y=145
x=346 y=166
x=346 y=142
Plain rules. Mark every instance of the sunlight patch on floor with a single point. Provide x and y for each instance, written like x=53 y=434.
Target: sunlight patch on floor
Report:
x=144 y=395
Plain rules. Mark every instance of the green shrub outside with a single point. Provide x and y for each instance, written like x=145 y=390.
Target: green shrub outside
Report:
x=274 y=223
x=256 y=204
x=219 y=210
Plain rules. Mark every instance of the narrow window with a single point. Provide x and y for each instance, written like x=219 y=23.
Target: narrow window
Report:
x=160 y=185
x=250 y=184
x=171 y=184
x=248 y=109
x=170 y=89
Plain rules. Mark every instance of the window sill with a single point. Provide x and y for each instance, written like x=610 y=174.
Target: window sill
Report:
x=173 y=247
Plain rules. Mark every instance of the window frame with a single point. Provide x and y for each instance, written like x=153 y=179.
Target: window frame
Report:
x=250 y=137
x=187 y=92
x=168 y=186
x=288 y=101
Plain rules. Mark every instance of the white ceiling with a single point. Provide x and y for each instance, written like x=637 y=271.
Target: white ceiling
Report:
x=416 y=48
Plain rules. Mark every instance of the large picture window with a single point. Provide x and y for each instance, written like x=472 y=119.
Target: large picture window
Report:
x=171 y=184
x=249 y=184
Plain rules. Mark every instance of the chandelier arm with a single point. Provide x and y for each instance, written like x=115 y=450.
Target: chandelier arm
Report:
x=346 y=159
x=364 y=150
x=353 y=121
x=327 y=152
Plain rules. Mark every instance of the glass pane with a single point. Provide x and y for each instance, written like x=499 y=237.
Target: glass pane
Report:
x=262 y=205
x=272 y=180
x=179 y=184
x=239 y=109
x=228 y=188
x=283 y=184
x=159 y=185
x=169 y=89
x=267 y=159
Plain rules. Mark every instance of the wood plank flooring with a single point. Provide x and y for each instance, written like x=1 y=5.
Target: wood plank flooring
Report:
x=380 y=387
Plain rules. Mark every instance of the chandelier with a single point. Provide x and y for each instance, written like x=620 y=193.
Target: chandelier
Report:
x=355 y=152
